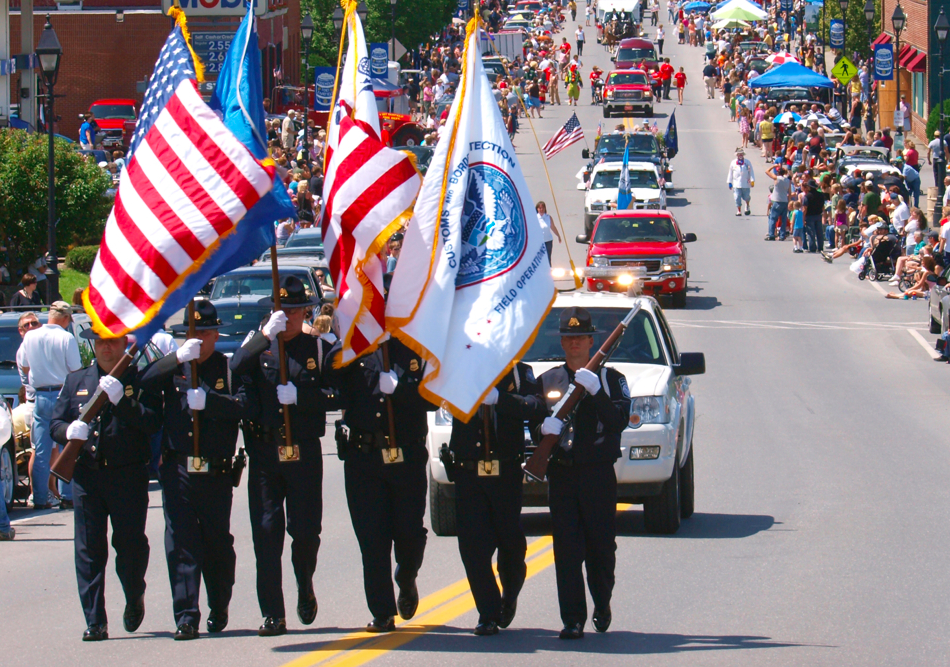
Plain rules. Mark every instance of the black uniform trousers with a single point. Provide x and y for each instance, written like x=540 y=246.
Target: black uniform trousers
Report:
x=488 y=518
x=583 y=502
x=387 y=505
x=271 y=484
x=198 y=540
x=119 y=495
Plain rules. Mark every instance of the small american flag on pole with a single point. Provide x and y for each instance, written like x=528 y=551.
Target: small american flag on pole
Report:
x=571 y=133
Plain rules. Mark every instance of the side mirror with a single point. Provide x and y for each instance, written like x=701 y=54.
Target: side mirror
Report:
x=689 y=238
x=691 y=363
x=613 y=59
x=581 y=238
x=585 y=153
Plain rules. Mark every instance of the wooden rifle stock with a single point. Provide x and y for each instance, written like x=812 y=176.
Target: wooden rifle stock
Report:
x=195 y=414
x=536 y=467
x=282 y=358
x=65 y=463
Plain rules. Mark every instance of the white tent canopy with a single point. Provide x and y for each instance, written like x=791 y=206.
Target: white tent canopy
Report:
x=750 y=7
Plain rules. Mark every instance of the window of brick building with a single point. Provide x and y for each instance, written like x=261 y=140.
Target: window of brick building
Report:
x=918 y=88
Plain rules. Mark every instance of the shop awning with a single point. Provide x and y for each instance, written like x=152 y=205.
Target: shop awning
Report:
x=918 y=63
x=905 y=53
x=883 y=38
x=908 y=55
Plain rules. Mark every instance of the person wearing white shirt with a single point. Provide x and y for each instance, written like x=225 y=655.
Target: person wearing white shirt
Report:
x=900 y=214
x=548 y=230
x=50 y=353
x=740 y=179
x=164 y=342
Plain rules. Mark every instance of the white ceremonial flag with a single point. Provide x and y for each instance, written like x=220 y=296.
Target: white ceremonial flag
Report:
x=473 y=284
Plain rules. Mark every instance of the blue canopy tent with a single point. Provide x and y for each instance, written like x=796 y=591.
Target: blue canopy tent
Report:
x=696 y=7
x=791 y=75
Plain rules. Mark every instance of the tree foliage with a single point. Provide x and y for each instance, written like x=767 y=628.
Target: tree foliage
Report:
x=81 y=204
x=856 y=26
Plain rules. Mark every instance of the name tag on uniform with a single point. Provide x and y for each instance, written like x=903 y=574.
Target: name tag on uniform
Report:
x=288 y=453
x=82 y=392
x=489 y=469
x=198 y=465
x=392 y=455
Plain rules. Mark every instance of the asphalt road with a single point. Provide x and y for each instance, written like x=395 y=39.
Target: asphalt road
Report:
x=821 y=467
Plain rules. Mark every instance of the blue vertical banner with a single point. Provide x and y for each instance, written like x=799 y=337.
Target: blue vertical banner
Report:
x=837 y=34
x=884 y=62
x=379 y=60
x=323 y=78
x=786 y=5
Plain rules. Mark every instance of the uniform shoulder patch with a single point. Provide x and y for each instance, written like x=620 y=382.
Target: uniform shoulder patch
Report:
x=219 y=385
x=414 y=365
x=623 y=387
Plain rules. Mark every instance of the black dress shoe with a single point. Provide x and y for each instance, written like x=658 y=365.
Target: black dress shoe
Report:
x=185 y=632
x=408 y=601
x=217 y=620
x=381 y=624
x=508 y=610
x=96 y=633
x=66 y=504
x=486 y=628
x=306 y=607
x=572 y=631
x=134 y=614
x=602 y=618
x=272 y=627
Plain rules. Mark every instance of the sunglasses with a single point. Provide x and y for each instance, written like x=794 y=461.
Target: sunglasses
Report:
x=33 y=324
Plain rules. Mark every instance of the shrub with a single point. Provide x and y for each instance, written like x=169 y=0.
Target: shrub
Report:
x=81 y=257
x=934 y=118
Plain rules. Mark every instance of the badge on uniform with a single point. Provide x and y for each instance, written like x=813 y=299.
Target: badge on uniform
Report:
x=311 y=364
x=198 y=465
x=288 y=453
x=414 y=365
x=82 y=392
x=489 y=468
x=128 y=390
x=219 y=385
x=392 y=455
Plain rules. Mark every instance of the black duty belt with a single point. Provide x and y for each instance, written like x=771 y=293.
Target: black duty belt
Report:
x=56 y=387
x=221 y=464
x=472 y=465
x=371 y=441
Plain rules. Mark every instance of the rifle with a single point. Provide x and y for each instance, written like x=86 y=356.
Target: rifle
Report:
x=536 y=467
x=65 y=464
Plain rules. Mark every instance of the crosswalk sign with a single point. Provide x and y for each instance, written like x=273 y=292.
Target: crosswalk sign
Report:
x=844 y=70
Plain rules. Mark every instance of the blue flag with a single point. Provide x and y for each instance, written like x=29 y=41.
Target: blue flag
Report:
x=624 y=196
x=671 y=138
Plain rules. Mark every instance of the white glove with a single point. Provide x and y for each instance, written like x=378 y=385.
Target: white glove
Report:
x=388 y=382
x=189 y=350
x=78 y=430
x=588 y=380
x=197 y=398
x=492 y=397
x=112 y=387
x=276 y=324
x=287 y=394
x=551 y=426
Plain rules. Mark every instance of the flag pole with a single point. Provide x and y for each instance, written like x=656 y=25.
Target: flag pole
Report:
x=275 y=278
x=195 y=414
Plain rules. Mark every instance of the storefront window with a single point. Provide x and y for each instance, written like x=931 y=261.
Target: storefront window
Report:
x=919 y=101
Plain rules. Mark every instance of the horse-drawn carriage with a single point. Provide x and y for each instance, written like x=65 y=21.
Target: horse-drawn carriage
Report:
x=609 y=33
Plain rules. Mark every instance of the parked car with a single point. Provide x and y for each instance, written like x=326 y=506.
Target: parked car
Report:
x=8 y=469
x=627 y=245
x=116 y=119
x=627 y=91
x=655 y=468
x=645 y=187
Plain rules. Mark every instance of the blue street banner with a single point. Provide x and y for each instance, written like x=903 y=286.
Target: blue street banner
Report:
x=884 y=62
x=786 y=5
x=379 y=60
x=837 y=34
x=462 y=7
x=323 y=78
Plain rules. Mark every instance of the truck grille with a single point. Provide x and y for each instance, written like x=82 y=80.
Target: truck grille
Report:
x=628 y=94
x=651 y=265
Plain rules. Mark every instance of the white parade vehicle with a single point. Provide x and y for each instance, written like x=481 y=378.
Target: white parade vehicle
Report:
x=646 y=187
x=655 y=468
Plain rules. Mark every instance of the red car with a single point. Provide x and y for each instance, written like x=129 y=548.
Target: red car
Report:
x=642 y=244
x=116 y=120
x=636 y=53
x=626 y=92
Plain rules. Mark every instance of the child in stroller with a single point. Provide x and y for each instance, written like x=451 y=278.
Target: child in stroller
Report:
x=880 y=256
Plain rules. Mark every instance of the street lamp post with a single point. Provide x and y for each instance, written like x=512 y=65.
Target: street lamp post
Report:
x=49 y=51
x=392 y=3
x=897 y=22
x=843 y=4
x=869 y=19
x=306 y=33
x=941 y=28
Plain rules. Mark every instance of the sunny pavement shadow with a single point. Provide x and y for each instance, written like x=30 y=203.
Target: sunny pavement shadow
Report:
x=705 y=526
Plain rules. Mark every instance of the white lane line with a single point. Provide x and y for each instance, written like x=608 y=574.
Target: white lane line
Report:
x=877 y=287
x=923 y=343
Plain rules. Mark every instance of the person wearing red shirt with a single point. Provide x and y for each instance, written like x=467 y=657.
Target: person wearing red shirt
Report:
x=666 y=75
x=595 y=77
x=680 y=78
x=656 y=83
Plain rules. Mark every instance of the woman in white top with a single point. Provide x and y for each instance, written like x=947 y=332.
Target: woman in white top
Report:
x=548 y=230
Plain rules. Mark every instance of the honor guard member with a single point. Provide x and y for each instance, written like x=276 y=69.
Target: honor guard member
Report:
x=278 y=473
x=485 y=466
x=582 y=484
x=385 y=482
x=110 y=482
x=197 y=490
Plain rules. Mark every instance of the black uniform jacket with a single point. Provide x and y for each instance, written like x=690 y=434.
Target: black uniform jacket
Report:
x=225 y=404
x=119 y=435
x=258 y=365
x=519 y=399
x=598 y=420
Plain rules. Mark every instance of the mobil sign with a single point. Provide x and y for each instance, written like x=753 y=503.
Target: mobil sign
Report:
x=223 y=7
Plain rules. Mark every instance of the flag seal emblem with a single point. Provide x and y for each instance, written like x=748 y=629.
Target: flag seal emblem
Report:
x=494 y=229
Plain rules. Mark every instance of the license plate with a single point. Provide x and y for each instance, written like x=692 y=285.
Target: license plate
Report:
x=628 y=107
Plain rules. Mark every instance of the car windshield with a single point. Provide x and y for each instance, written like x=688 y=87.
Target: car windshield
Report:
x=638 y=179
x=634 y=229
x=621 y=79
x=238 y=321
x=9 y=342
x=313 y=238
x=257 y=284
x=624 y=55
x=640 y=343
x=614 y=143
x=113 y=111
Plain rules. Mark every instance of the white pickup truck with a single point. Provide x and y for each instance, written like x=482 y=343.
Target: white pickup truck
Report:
x=655 y=468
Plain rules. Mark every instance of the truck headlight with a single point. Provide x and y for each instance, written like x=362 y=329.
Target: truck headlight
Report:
x=598 y=260
x=649 y=410
x=673 y=263
x=609 y=94
x=443 y=417
x=648 y=93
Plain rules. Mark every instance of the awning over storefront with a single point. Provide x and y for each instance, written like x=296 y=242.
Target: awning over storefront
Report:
x=918 y=63
x=883 y=38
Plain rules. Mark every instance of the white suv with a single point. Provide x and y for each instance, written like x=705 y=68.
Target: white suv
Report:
x=655 y=468
x=646 y=187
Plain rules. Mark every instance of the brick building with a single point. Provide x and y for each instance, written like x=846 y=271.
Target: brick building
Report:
x=110 y=48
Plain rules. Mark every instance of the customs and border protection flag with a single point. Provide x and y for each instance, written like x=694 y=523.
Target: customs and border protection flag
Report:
x=369 y=190
x=188 y=184
x=472 y=285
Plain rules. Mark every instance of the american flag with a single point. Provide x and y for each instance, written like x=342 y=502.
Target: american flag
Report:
x=187 y=184
x=571 y=133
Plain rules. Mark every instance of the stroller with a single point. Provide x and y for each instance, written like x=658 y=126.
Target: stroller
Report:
x=597 y=91
x=879 y=264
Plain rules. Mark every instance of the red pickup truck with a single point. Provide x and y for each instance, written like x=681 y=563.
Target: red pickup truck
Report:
x=638 y=244
x=116 y=120
x=627 y=91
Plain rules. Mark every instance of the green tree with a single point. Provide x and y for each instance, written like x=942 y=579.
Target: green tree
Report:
x=856 y=26
x=81 y=204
